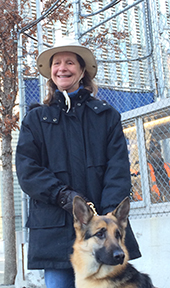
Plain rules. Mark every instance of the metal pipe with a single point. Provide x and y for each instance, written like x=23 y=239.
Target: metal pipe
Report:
x=158 y=54
x=40 y=49
x=108 y=19
x=21 y=110
x=76 y=19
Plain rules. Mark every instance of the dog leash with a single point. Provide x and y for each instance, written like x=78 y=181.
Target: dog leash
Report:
x=92 y=208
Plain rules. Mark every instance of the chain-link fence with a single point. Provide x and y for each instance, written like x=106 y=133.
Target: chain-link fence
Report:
x=147 y=133
x=130 y=40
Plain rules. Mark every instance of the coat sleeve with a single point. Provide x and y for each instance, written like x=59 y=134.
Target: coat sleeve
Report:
x=34 y=177
x=117 y=181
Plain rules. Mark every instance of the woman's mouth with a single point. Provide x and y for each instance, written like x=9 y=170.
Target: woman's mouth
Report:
x=64 y=76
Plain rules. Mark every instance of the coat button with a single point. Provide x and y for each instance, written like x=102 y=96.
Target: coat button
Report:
x=79 y=104
x=63 y=201
x=44 y=118
x=54 y=119
x=95 y=107
x=104 y=104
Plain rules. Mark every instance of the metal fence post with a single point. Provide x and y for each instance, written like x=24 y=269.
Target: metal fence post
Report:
x=158 y=53
x=143 y=163
x=76 y=19
x=40 y=48
x=21 y=110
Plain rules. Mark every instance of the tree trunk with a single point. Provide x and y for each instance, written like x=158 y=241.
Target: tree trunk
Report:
x=8 y=212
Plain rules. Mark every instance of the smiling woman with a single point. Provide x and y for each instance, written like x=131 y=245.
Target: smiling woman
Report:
x=66 y=71
x=71 y=145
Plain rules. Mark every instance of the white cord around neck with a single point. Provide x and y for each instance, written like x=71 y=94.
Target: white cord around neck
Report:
x=67 y=100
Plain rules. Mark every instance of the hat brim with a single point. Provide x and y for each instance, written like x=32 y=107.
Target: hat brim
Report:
x=43 y=60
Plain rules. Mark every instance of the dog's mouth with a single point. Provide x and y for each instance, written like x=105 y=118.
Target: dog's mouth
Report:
x=112 y=257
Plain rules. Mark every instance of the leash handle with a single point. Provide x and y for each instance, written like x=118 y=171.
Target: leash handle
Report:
x=92 y=208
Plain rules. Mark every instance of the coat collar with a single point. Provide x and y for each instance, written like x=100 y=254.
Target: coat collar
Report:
x=81 y=96
x=98 y=106
x=58 y=105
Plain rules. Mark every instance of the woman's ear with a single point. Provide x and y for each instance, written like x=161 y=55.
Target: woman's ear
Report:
x=82 y=74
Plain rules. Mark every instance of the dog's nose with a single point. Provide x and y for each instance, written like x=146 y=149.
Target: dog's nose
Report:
x=119 y=256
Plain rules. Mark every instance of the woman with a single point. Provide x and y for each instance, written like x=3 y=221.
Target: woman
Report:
x=71 y=145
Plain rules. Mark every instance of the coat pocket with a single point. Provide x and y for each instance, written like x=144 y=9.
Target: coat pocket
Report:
x=42 y=215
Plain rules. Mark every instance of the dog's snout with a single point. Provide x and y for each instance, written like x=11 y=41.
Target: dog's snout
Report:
x=119 y=256
x=114 y=256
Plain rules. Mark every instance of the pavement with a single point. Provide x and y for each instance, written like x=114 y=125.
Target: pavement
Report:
x=2 y=267
x=1 y=264
x=33 y=278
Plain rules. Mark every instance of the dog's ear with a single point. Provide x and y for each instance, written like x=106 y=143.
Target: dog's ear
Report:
x=81 y=211
x=122 y=212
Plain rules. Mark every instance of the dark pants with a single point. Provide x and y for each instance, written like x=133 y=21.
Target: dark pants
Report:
x=61 y=278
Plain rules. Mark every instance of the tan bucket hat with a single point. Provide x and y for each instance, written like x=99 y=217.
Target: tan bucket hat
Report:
x=69 y=45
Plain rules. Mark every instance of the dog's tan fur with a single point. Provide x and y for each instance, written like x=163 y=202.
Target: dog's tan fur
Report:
x=92 y=234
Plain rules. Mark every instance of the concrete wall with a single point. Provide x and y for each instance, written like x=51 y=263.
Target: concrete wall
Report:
x=153 y=235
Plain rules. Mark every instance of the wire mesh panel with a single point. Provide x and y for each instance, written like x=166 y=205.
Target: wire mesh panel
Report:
x=150 y=162
x=157 y=130
x=17 y=190
x=32 y=92
x=125 y=100
x=131 y=136
x=121 y=40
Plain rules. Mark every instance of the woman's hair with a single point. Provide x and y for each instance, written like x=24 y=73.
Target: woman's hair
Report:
x=86 y=81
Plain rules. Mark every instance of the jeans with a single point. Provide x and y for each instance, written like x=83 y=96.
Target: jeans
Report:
x=59 y=278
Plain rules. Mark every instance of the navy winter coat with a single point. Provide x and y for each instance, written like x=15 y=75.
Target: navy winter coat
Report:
x=85 y=149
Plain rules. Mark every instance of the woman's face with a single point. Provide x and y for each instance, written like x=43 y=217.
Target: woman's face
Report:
x=66 y=72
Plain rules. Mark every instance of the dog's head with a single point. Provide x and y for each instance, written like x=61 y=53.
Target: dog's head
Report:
x=101 y=237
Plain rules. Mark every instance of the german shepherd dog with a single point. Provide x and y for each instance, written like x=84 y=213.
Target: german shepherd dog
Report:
x=100 y=258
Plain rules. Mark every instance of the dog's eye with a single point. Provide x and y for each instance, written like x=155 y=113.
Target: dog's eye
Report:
x=101 y=234
x=117 y=234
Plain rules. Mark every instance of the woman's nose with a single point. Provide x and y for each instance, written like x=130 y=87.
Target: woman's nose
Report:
x=62 y=66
